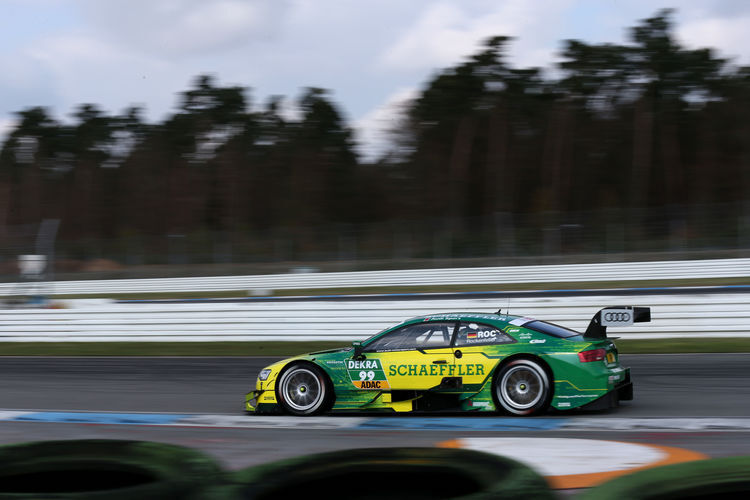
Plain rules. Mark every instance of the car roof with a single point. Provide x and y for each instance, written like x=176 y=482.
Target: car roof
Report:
x=468 y=316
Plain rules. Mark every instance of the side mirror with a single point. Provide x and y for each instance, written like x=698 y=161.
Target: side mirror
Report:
x=357 y=345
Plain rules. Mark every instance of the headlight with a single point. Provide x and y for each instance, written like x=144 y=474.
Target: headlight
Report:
x=263 y=375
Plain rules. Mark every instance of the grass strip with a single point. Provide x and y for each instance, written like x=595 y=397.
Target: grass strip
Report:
x=655 y=346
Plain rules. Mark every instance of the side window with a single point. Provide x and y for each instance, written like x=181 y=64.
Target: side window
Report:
x=416 y=336
x=470 y=334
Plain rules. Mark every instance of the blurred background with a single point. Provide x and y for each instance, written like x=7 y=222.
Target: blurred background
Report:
x=147 y=139
x=618 y=151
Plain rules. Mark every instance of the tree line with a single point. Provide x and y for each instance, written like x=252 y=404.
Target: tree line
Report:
x=629 y=130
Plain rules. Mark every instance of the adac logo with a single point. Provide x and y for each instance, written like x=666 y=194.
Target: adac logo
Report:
x=369 y=384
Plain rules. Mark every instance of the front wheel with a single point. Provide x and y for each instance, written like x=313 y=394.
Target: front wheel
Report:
x=302 y=390
x=522 y=387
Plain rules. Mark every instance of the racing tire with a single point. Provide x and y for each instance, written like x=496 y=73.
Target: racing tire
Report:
x=522 y=387
x=303 y=389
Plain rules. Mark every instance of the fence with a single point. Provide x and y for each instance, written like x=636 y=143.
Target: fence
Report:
x=508 y=236
x=623 y=271
x=684 y=315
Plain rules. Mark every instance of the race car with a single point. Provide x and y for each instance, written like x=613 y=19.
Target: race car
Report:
x=473 y=362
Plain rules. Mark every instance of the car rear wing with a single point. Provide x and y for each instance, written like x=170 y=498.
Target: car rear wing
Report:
x=615 y=316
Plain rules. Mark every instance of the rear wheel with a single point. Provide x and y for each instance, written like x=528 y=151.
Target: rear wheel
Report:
x=303 y=390
x=522 y=387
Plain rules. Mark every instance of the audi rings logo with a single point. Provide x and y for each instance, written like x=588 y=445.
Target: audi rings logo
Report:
x=617 y=317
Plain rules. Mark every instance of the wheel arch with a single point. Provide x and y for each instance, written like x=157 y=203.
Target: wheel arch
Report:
x=528 y=356
x=533 y=357
x=330 y=390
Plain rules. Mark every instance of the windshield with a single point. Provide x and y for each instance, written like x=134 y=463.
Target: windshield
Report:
x=551 y=329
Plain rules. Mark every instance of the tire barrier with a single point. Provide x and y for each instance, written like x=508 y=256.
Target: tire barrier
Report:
x=114 y=469
x=435 y=473
x=717 y=478
x=105 y=469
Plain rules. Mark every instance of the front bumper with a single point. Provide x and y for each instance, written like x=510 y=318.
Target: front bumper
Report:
x=261 y=401
x=251 y=400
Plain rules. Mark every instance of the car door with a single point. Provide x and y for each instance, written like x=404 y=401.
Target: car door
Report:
x=414 y=357
x=476 y=352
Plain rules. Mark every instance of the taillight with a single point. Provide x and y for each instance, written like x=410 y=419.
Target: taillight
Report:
x=594 y=355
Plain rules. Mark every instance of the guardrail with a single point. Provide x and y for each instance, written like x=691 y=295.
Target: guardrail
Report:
x=701 y=315
x=622 y=271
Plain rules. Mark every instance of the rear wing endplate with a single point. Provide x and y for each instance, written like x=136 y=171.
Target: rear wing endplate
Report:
x=615 y=316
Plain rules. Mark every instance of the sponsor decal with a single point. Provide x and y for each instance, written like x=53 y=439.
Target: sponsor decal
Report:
x=479 y=403
x=370 y=384
x=365 y=364
x=486 y=334
x=482 y=336
x=616 y=317
x=537 y=341
x=436 y=370
x=442 y=317
x=459 y=316
x=334 y=362
x=561 y=405
x=367 y=374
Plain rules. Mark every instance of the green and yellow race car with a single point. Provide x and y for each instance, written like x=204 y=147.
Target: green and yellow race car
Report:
x=473 y=362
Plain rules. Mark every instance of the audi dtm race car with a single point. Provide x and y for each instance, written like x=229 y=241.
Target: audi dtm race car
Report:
x=457 y=362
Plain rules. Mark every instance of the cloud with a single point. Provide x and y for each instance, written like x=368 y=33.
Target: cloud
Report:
x=374 y=130
x=183 y=28
x=87 y=70
x=6 y=127
x=117 y=53
x=449 y=31
x=24 y=82
x=727 y=35
x=440 y=36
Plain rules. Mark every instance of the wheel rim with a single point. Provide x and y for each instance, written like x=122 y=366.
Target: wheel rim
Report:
x=302 y=389
x=522 y=387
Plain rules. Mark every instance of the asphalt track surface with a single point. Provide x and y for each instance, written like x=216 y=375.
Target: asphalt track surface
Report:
x=685 y=386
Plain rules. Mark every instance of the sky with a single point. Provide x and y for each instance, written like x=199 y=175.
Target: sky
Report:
x=371 y=55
